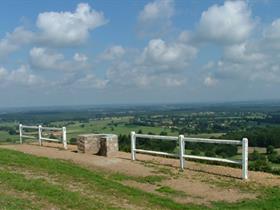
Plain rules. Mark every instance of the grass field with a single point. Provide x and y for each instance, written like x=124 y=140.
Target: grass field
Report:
x=115 y=125
x=105 y=126
x=29 y=182
x=120 y=126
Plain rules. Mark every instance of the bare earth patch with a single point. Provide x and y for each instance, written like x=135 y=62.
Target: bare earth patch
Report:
x=201 y=183
x=203 y=193
x=143 y=186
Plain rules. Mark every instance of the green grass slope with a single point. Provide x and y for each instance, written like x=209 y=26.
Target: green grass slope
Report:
x=29 y=182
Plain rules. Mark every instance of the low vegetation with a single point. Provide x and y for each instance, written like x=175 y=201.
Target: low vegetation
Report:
x=29 y=182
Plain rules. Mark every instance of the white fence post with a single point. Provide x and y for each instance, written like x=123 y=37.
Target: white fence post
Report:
x=40 y=134
x=245 y=158
x=20 y=133
x=64 y=139
x=133 y=145
x=181 y=151
x=181 y=154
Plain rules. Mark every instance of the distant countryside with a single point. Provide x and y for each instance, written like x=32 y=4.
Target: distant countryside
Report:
x=258 y=122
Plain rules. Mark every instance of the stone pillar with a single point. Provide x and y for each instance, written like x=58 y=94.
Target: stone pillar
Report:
x=98 y=144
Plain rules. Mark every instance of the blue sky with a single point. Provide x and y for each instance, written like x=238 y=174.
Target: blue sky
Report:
x=118 y=52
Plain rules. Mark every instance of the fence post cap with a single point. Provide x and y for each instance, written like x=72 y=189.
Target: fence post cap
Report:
x=245 y=139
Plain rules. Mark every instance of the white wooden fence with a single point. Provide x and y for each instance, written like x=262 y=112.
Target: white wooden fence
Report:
x=181 y=140
x=40 y=130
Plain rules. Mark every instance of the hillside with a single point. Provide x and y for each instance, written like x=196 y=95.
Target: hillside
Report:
x=80 y=181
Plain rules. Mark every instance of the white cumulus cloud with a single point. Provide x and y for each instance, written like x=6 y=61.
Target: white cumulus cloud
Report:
x=13 y=41
x=67 y=28
x=80 y=57
x=156 y=16
x=272 y=36
x=210 y=81
x=241 y=53
x=227 y=24
x=113 y=52
x=56 y=29
x=3 y=73
x=157 y=10
x=91 y=81
x=43 y=58
x=167 y=56
x=160 y=64
x=20 y=76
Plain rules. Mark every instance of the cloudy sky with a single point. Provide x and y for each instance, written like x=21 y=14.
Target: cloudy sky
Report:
x=118 y=52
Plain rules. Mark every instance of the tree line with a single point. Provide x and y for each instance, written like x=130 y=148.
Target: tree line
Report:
x=258 y=136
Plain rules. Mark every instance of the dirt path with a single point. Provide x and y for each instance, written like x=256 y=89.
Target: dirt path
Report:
x=200 y=183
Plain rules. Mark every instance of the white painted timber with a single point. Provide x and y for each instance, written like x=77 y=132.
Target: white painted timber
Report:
x=133 y=145
x=20 y=133
x=40 y=129
x=52 y=129
x=134 y=137
x=29 y=137
x=40 y=134
x=28 y=126
x=156 y=152
x=171 y=138
x=49 y=139
x=213 y=159
x=182 y=151
x=181 y=140
x=245 y=158
x=64 y=139
x=213 y=141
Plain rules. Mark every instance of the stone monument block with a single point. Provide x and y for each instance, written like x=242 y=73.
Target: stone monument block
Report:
x=98 y=144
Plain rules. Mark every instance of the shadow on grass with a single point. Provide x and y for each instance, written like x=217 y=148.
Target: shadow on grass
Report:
x=186 y=168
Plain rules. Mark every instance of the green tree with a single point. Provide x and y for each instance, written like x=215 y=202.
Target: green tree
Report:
x=124 y=143
x=260 y=165
x=226 y=150
x=73 y=141
x=196 y=151
x=274 y=158
x=210 y=153
x=12 y=132
x=163 y=133
x=269 y=149
x=255 y=155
